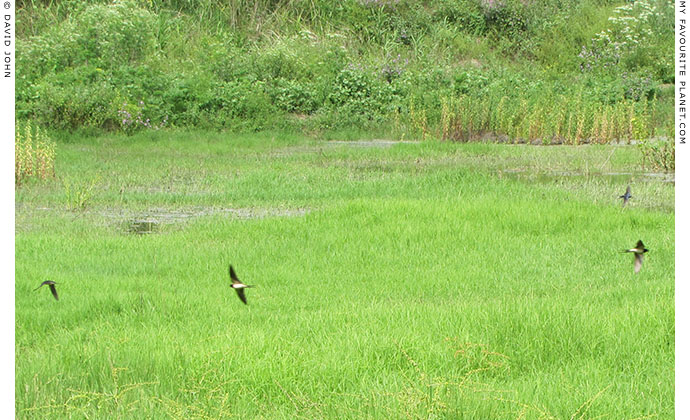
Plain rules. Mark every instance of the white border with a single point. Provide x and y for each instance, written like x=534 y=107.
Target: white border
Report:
x=7 y=322
x=7 y=49
x=682 y=295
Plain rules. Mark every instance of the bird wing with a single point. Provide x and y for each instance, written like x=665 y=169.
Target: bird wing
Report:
x=42 y=284
x=233 y=276
x=240 y=293
x=638 y=262
x=53 y=290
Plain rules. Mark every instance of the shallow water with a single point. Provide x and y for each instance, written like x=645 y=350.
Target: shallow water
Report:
x=153 y=220
x=613 y=177
x=370 y=143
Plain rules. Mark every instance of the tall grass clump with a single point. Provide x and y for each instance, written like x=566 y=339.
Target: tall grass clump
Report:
x=556 y=120
x=34 y=153
x=78 y=192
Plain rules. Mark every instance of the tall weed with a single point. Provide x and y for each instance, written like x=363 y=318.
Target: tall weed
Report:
x=559 y=119
x=34 y=153
x=659 y=154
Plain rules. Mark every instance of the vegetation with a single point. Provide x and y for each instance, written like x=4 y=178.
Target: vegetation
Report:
x=34 y=154
x=409 y=280
x=660 y=155
x=548 y=71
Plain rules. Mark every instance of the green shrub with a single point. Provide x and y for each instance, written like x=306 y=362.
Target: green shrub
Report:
x=357 y=91
x=505 y=17
x=275 y=63
x=242 y=104
x=71 y=99
x=180 y=100
x=293 y=96
x=470 y=82
x=465 y=15
x=102 y=36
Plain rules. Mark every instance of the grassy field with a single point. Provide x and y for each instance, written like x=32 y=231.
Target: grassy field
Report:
x=392 y=281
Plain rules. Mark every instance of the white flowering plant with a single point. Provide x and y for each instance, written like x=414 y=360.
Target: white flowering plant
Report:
x=632 y=40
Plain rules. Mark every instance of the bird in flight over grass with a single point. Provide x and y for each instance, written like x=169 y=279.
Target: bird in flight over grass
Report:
x=639 y=251
x=238 y=285
x=626 y=196
x=50 y=284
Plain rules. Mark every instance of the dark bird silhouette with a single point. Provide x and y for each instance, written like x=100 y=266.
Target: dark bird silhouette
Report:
x=639 y=251
x=626 y=196
x=50 y=284
x=238 y=285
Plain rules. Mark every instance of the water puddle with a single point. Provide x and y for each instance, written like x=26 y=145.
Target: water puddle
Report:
x=324 y=145
x=142 y=227
x=616 y=177
x=370 y=143
x=152 y=220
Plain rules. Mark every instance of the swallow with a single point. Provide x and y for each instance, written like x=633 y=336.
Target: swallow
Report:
x=238 y=285
x=639 y=251
x=50 y=284
x=626 y=196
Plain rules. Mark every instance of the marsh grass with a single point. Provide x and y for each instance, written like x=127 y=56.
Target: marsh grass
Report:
x=424 y=282
x=546 y=120
x=78 y=193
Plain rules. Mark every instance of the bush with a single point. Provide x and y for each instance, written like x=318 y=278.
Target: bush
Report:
x=357 y=91
x=505 y=17
x=241 y=104
x=103 y=36
x=72 y=99
x=293 y=96
x=465 y=15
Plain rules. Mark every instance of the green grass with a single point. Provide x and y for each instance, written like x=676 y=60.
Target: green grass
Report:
x=425 y=280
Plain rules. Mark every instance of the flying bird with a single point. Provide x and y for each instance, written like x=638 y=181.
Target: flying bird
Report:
x=50 y=284
x=626 y=196
x=238 y=285
x=639 y=251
